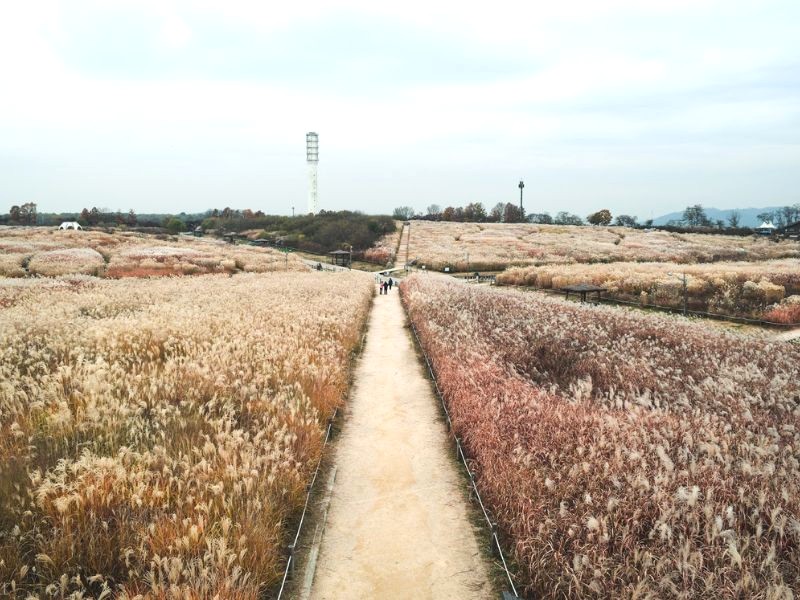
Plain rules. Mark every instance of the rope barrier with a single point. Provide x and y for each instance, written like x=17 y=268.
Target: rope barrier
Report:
x=290 y=561
x=672 y=309
x=495 y=541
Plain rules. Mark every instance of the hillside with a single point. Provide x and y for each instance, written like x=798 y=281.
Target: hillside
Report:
x=495 y=246
x=747 y=216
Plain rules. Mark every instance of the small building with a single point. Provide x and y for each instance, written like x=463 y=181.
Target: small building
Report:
x=70 y=225
x=791 y=231
x=582 y=289
x=198 y=231
x=340 y=257
x=766 y=228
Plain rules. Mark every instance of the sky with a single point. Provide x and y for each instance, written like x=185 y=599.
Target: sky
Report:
x=642 y=107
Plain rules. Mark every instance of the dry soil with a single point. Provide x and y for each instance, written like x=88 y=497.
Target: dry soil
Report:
x=398 y=524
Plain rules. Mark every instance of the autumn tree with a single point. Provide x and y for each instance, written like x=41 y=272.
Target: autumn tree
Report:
x=513 y=214
x=474 y=212
x=601 y=217
x=27 y=214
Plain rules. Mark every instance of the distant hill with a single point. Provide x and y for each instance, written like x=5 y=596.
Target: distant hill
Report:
x=747 y=216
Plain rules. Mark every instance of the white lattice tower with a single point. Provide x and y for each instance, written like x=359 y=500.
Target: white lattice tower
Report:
x=312 y=157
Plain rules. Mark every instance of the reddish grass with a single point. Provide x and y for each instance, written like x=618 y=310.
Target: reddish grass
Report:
x=784 y=313
x=623 y=455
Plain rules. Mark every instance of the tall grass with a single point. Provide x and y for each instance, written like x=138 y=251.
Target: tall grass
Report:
x=156 y=436
x=735 y=288
x=48 y=252
x=624 y=455
x=495 y=246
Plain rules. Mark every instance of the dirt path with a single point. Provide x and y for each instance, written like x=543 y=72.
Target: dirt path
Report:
x=787 y=336
x=397 y=526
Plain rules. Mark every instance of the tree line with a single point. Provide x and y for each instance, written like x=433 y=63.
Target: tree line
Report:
x=694 y=216
x=320 y=232
x=475 y=212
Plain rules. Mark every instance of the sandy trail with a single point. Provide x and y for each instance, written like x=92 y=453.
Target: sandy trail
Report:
x=787 y=336
x=397 y=525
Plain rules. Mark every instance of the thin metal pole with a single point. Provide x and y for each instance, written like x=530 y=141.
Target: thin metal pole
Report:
x=408 y=240
x=685 y=294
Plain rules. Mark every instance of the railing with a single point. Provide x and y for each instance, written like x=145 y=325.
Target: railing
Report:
x=494 y=540
x=291 y=559
x=660 y=307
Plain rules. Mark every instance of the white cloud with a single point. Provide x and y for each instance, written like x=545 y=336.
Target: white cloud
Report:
x=626 y=86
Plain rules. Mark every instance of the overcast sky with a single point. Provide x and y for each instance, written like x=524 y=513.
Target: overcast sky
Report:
x=641 y=107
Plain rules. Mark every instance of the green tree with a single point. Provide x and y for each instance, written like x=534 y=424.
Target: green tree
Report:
x=565 y=218
x=542 y=218
x=625 y=221
x=174 y=224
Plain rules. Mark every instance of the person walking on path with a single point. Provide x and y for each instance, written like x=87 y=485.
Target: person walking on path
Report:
x=386 y=287
x=390 y=283
x=380 y=288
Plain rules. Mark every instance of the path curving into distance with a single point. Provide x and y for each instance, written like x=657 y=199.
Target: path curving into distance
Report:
x=398 y=524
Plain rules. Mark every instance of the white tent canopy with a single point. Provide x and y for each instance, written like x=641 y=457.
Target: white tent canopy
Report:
x=70 y=225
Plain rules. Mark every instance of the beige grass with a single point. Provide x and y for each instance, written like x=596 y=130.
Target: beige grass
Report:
x=494 y=246
x=156 y=435
x=70 y=261
x=49 y=252
x=737 y=288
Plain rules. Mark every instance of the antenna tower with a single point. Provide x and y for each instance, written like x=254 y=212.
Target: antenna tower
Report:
x=312 y=158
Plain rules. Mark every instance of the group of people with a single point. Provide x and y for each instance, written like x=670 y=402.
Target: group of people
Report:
x=385 y=286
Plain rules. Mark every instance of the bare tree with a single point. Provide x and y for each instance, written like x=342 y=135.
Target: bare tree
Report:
x=434 y=210
x=403 y=213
